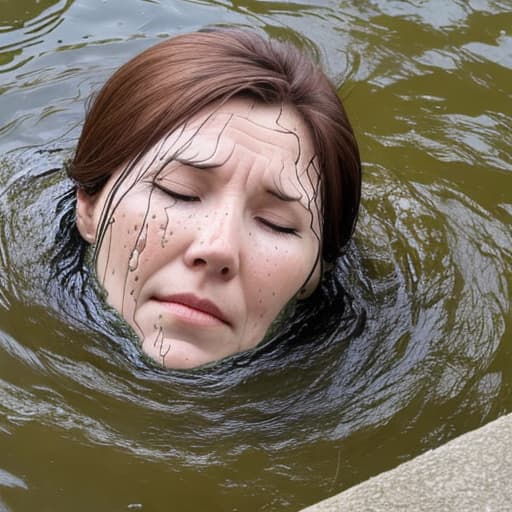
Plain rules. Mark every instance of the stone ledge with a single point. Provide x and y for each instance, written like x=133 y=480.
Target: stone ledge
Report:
x=472 y=473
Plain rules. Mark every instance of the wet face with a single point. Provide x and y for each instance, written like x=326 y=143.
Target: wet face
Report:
x=204 y=240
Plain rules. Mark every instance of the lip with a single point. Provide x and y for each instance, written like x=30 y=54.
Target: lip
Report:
x=195 y=303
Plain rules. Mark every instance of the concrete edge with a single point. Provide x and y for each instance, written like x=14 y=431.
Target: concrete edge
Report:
x=470 y=473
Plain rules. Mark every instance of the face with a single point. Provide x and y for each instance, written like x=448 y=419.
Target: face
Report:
x=204 y=240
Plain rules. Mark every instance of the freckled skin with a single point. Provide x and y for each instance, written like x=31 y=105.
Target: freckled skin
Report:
x=210 y=220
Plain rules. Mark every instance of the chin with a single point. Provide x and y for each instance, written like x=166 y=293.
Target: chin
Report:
x=179 y=354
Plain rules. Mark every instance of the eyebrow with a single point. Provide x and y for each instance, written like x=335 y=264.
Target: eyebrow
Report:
x=282 y=196
x=210 y=166
x=197 y=164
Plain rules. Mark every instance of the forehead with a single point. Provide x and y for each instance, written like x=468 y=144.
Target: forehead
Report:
x=274 y=133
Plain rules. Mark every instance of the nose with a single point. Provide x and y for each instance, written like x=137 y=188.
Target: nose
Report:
x=216 y=248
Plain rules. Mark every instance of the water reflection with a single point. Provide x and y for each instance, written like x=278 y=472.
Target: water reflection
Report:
x=406 y=346
x=24 y=25
x=22 y=13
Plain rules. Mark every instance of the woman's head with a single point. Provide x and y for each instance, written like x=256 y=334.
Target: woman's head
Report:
x=215 y=171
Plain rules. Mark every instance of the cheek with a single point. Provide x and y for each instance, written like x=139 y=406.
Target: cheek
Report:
x=119 y=256
x=131 y=248
x=277 y=270
x=273 y=279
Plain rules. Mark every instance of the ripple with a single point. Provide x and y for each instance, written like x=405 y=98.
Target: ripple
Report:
x=23 y=39
x=500 y=54
x=9 y=480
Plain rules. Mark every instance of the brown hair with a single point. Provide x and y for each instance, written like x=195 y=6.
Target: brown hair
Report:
x=168 y=83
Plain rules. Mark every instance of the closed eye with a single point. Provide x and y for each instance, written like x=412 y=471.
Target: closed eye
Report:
x=176 y=195
x=278 y=228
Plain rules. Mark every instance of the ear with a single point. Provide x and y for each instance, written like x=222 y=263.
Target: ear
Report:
x=86 y=221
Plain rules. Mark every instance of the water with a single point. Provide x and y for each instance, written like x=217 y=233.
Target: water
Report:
x=416 y=352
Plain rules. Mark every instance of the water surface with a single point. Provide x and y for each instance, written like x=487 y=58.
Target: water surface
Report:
x=408 y=345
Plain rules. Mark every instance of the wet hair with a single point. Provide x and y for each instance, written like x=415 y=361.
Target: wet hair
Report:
x=159 y=89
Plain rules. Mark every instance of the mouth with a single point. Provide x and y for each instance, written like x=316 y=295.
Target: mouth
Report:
x=193 y=309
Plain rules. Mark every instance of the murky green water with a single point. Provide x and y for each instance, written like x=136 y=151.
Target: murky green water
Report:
x=416 y=352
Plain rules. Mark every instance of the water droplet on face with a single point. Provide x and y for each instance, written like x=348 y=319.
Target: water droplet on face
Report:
x=141 y=242
x=134 y=260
